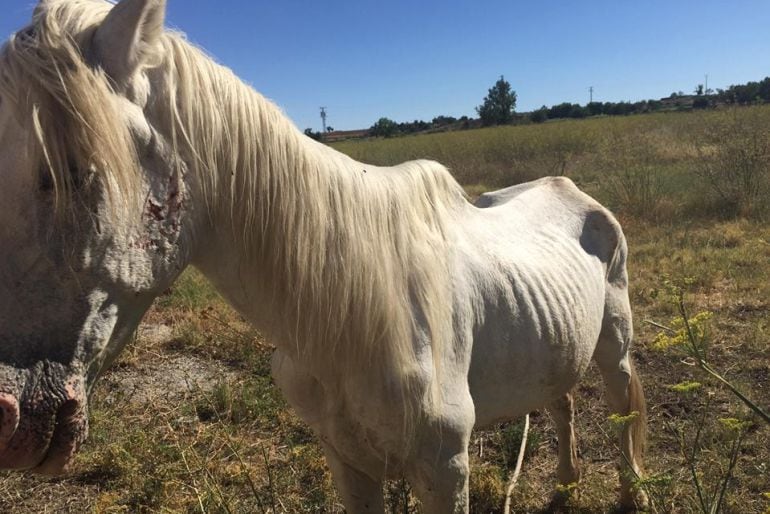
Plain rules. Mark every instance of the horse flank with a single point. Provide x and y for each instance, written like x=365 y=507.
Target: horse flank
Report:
x=349 y=256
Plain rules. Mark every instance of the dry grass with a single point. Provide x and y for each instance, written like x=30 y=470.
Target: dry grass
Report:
x=189 y=420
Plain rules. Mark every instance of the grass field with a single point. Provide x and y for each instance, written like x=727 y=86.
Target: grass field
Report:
x=189 y=421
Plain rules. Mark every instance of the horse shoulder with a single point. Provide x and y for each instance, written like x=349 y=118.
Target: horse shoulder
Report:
x=301 y=390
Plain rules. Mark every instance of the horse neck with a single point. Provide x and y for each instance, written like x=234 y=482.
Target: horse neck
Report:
x=269 y=238
x=328 y=257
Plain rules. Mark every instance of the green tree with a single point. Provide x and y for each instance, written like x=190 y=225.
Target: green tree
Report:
x=540 y=115
x=499 y=104
x=384 y=127
x=314 y=135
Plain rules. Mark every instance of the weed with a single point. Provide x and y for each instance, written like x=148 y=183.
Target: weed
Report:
x=190 y=292
x=632 y=172
x=487 y=489
x=511 y=441
x=710 y=475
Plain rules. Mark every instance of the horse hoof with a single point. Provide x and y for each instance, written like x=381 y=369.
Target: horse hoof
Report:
x=564 y=498
x=634 y=501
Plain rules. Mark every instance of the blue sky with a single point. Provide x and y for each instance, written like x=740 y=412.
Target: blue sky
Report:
x=413 y=59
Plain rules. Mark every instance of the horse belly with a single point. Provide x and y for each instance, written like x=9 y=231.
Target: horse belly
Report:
x=521 y=385
x=539 y=332
x=366 y=435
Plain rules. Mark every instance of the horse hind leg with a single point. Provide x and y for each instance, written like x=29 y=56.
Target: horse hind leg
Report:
x=568 y=471
x=624 y=392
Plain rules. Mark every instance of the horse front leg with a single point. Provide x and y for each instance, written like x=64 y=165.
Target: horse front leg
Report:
x=440 y=472
x=360 y=493
x=442 y=486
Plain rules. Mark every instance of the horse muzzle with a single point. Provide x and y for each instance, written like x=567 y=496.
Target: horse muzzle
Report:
x=43 y=430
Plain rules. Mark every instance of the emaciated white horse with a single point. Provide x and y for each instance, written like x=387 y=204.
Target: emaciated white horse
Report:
x=403 y=315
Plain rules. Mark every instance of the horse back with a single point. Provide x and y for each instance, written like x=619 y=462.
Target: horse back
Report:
x=559 y=200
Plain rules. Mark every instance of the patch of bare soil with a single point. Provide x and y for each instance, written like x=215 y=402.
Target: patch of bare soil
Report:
x=161 y=377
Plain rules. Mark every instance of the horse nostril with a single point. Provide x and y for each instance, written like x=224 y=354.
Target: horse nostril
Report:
x=9 y=418
x=67 y=411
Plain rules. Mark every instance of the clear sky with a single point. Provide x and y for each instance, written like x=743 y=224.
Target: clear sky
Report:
x=412 y=59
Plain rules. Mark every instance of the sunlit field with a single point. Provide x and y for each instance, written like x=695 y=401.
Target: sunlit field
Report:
x=189 y=421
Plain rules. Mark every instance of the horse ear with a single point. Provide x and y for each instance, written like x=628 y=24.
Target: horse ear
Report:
x=41 y=6
x=127 y=37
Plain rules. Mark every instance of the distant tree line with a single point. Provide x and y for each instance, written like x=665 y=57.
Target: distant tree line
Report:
x=318 y=136
x=498 y=108
x=743 y=94
x=751 y=92
x=385 y=127
x=570 y=110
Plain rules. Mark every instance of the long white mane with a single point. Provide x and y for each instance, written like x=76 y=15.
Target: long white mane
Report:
x=350 y=255
x=348 y=251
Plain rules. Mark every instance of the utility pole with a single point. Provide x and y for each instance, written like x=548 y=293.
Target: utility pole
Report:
x=323 y=119
x=591 y=92
x=706 y=85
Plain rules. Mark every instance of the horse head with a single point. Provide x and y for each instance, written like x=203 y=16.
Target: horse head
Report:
x=92 y=214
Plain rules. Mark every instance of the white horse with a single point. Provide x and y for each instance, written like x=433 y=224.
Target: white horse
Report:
x=403 y=315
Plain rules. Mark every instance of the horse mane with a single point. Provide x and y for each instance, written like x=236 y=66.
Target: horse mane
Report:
x=351 y=256
x=352 y=259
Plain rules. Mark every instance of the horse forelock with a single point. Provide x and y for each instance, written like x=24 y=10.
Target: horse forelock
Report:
x=67 y=105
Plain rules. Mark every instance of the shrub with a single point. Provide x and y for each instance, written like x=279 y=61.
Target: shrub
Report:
x=384 y=127
x=734 y=160
x=632 y=174
x=539 y=115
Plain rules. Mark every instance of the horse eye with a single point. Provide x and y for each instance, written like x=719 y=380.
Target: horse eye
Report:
x=77 y=177
x=45 y=181
x=26 y=33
